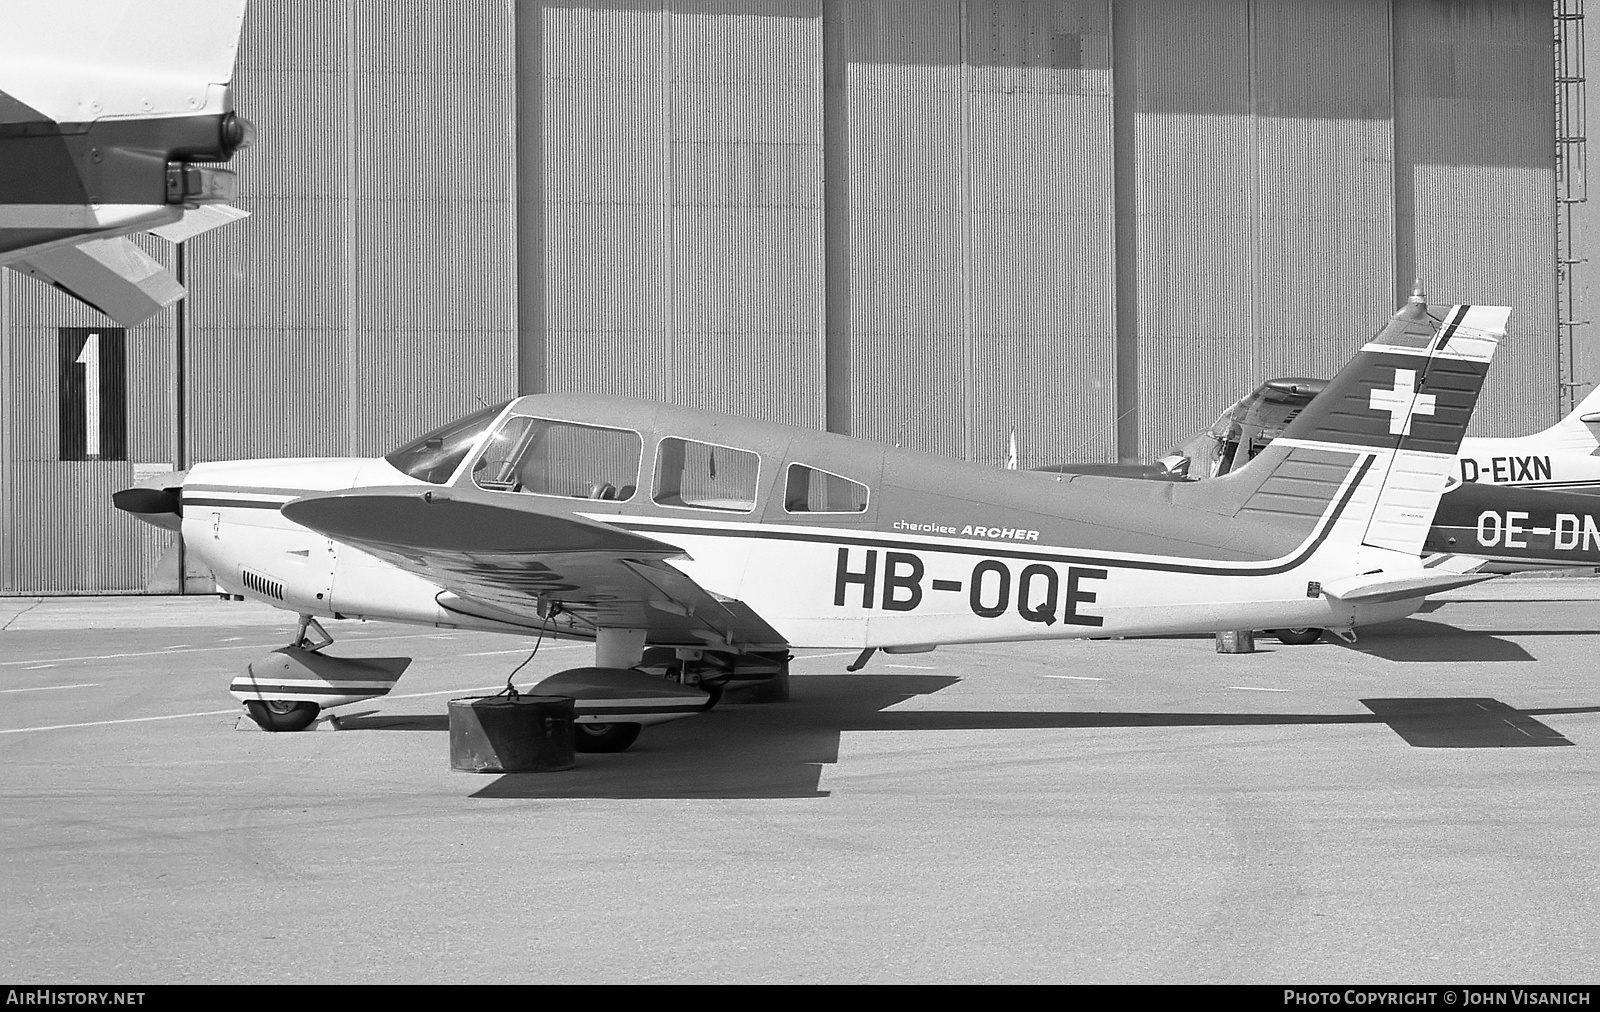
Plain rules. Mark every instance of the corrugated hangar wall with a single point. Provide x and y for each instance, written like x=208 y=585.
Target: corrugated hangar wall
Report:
x=369 y=297
x=925 y=221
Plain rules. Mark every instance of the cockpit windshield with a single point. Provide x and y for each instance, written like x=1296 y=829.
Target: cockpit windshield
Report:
x=435 y=456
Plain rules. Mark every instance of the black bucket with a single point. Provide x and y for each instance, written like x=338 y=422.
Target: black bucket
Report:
x=511 y=734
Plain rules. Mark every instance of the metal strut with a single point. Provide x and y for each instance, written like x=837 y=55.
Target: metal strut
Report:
x=308 y=624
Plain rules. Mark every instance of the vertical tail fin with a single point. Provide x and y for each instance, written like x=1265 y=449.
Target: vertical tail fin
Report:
x=1578 y=432
x=1395 y=416
x=1408 y=395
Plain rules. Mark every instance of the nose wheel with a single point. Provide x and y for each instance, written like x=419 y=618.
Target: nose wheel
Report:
x=292 y=714
x=282 y=714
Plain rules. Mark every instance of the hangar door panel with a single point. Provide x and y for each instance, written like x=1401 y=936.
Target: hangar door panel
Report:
x=682 y=205
x=111 y=388
x=1475 y=206
x=1324 y=274
x=979 y=225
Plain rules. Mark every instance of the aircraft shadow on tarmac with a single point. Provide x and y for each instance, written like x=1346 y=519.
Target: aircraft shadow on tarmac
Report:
x=779 y=750
x=1409 y=639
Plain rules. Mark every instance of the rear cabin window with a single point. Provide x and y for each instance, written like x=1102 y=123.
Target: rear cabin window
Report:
x=808 y=490
x=544 y=457
x=706 y=476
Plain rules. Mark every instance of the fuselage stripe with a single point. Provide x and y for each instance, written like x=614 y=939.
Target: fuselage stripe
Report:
x=994 y=551
x=244 y=504
x=1450 y=327
x=262 y=688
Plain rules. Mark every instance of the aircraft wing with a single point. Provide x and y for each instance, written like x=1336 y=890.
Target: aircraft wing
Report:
x=502 y=557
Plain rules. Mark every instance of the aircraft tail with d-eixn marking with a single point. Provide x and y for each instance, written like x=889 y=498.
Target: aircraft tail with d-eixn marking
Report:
x=1578 y=432
x=1384 y=433
x=1527 y=460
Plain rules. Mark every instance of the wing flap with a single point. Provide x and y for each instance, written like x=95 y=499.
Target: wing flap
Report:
x=734 y=621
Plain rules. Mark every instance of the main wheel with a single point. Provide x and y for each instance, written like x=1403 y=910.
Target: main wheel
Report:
x=282 y=714
x=604 y=737
x=1297 y=637
x=770 y=690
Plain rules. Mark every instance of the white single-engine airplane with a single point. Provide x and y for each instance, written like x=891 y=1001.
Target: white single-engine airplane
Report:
x=716 y=544
x=107 y=110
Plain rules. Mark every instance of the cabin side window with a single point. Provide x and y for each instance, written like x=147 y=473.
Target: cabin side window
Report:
x=808 y=490
x=706 y=476
x=544 y=457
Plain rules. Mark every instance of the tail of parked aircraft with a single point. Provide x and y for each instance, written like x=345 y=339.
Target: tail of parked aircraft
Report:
x=1578 y=432
x=110 y=111
x=1378 y=443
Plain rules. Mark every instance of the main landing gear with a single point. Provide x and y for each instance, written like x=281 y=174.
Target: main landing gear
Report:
x=1297 y=637
x=628 y=688
x=632 y=686
x=609 y=737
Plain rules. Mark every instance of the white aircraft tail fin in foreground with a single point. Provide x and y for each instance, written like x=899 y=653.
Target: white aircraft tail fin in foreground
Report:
x=1402 y=404
x=112 y=115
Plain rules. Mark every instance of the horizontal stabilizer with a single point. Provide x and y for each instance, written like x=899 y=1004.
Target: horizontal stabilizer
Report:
x=114 y=276
x=1376 y=588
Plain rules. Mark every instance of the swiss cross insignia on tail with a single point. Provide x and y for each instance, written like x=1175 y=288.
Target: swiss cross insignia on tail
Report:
x=1412 y=387
x=1402 y=402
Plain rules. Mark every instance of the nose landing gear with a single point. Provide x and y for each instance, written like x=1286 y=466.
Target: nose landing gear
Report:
x=308 y=624
x=290 y=687
x=290 y=714
x=281 y=714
